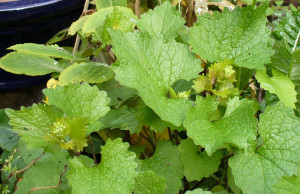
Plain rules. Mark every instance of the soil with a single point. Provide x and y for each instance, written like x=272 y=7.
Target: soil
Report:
x=15 y=98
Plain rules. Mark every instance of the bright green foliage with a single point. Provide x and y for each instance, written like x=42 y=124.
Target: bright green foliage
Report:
x=77 y=25
x=162 y=22
x=219 y=80
x=83 y=105
x=69 y=133
x=280 y=85
x=29 y=64
x=146 y=116
x=117 y=21
x=88 y=72
x=192 y=90
x=287 y=62
x=45 y=173
x=47 y=50
x=240 y=34
x=231 y=182
x=97 y=20
x=115 y=174
x=151 y=67
x=149 y=183
x=288 y=185
x=289 y=28
x=237 y=126
x=117 y=93
x=32 y=124
x=166 y=164
x=100 y=4
x=80 y=100
x=197 y=191
x=121 y=118
x=197 y=165
x=202 y=83
x=260 y=167
x=8 y=139
x=249 y=2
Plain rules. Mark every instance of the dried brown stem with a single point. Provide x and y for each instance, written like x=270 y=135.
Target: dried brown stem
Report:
x=137 y=8
x=76 y=45
x=189 y=19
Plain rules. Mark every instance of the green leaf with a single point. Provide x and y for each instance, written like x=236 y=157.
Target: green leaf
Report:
x=166 y=164
x=162 y=22
x=121 y=118
x=8 y=139
x=33 y=123
x=59 y=36
x=80 y=100
x=197 y=165
x=286 y=62
x=237 y=126
x=288 y=185
x=231 y=182
x=46 y=50
x=240 y=34
x=69 y=133
x=259 y=168
x=117 y=93
x=3 y=118
x=117 y=20
x=146 y=116
x=29 y=64
x=78 y=25
x=280 y=85
x=115 y=174
x=149 y=183
x=289 y=64
x=289 y=28
x=197 y=191
x=44 y=174
x=97 y=20
x=152 y=69
x=100 y=4
x=249 y=2
x=86 y=72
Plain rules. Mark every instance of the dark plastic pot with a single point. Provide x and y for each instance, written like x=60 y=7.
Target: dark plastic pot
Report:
x=36 y=21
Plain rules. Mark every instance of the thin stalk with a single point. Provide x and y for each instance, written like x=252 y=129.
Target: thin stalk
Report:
x=189 y=18
x=148 y=136
x=77 y=41
x=92 y=148
x=20 y=171
x=198 y=184
x=176 y=137
x=253 y=3
x=137 y=8
x=296 y=42
x=50 y=187
x=238 y=77
x=170 y=134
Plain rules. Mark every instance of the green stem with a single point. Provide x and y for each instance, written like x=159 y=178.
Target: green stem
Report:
x=238 y=77
x=296 y=42
x=253 y=3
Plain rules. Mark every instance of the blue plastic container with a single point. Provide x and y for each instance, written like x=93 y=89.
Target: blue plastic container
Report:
x=36 y=21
